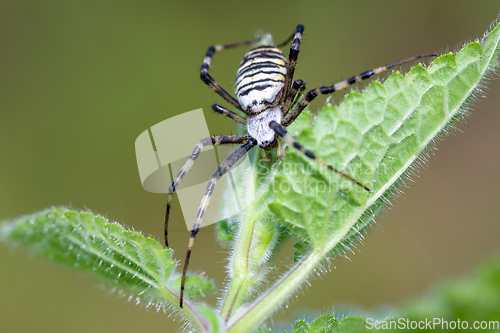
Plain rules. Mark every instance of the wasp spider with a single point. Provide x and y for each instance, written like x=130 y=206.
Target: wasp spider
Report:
x=265 y=91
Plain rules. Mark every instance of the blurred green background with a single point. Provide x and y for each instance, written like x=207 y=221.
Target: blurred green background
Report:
x=80 y=80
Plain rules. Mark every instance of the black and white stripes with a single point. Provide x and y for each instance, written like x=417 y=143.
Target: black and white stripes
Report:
x=261 y=78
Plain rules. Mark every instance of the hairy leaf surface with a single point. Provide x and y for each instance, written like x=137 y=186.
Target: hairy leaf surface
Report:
x=88 y=242
x=375 y=136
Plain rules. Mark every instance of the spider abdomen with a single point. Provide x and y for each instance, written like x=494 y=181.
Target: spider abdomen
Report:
x=261 y=78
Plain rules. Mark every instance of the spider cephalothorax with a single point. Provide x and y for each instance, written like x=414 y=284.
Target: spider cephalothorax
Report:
x=266 y=94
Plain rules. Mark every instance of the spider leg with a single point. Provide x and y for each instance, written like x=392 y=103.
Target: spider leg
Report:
x=221 y=170
x=292 y=61
x=281 y=131
x=215 y=140
x=279 y=153
x=265 y=157
x=289 y=39
x=294 y=113
x=298 y=85
x=225 y=112
x=205 y=77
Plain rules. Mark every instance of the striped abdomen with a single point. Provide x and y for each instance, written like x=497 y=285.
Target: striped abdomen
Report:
x=261 y=78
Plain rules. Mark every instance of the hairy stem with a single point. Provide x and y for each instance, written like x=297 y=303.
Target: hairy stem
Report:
x=189 y=311
x=274 y=296
x=254 y=240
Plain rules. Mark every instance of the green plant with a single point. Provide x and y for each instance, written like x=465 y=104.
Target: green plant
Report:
x=376 y=136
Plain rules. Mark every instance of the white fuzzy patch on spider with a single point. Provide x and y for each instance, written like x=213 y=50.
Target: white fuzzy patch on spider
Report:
x=258 y=126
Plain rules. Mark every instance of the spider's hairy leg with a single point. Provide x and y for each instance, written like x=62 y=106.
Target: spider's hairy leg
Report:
x=295 y=112
x=214 y=140
x=281 y=131
x=298 y=85
x=221 y=170
x=208 y=79
x=225 y=112
x=292 y=61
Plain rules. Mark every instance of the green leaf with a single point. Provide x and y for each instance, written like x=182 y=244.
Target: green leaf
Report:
x=301 y=327
x=195 y=286
x=328 y=324
x=357 y=324
x=375 y=137
x=324 y=324
x=226 y=230
x=301 y=249
x=90 y=243
x=214 y=320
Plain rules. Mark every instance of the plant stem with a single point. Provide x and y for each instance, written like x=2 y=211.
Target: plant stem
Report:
x=243 y=280
x=279 y=292
x=189 y=311
x=196 y=318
